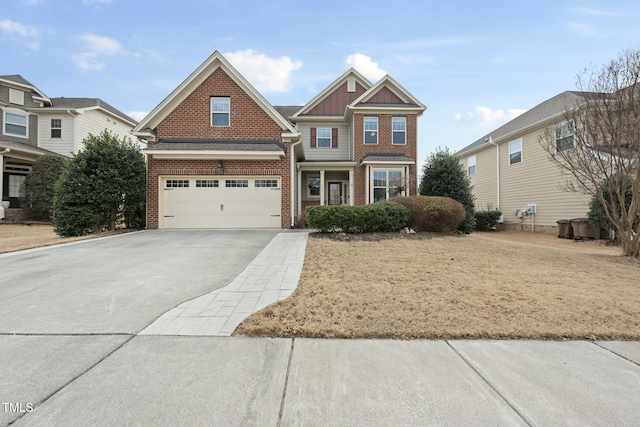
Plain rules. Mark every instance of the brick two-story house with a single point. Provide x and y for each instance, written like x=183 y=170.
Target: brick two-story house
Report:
x=221 y=156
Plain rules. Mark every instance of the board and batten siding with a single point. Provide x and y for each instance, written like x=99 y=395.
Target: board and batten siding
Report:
x=343 y=152
x=484 y=181
x=63 y=145
x=537 y=179
x=95 y=121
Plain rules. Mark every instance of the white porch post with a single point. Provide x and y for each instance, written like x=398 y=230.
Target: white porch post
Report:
x=321 y=188
x=351 y=187
x=367 y=197
x=406 y=180
x=301 y=187
x=1 y=176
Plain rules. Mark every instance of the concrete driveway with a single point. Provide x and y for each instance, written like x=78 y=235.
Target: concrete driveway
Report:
x=118 y=285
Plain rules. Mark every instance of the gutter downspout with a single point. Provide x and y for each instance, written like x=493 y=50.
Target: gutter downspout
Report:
x=75 y=132
x=293 y=197
x=497 y=171
x=2 y=153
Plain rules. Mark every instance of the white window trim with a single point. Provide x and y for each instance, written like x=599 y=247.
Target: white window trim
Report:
x=309 y=195
x=364 y=130
x=404 y=119
x=372 y=187
x=472 y=161
x=318 y=137
x=521 y=151
x=52 y=128
x=228 y=113
x=16 y=112
x=572 y=123
x=16 y=96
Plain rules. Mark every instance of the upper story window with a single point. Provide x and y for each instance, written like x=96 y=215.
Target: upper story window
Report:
x=56 y=128
x=471 y=165
x=220 y=111
x=565 y=136
x=370 y=130
x=515 y=152
x=324 y=138
x=399 y=130
x=15 y=124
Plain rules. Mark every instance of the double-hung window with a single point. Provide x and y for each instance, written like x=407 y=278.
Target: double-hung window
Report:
x=471 y=165
x=324 y=138
x=515 y=152
x=387 y=184
x=313 y=186
x=220 y=111
x=15 y=124
x=399 y=130
x=56 y=128
x=370 y=130
x=564 y=136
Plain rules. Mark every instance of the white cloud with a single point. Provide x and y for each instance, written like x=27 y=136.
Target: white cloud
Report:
x=366 y=66
x=96 y=48
x=596 y=12
x=266 y=74
x=137 y=115
x=28 y=32
x=486 y=117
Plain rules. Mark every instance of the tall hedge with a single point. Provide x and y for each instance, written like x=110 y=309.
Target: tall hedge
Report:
x=443 y=175
x=102 y=185
x=38 y=188
x=432 y=213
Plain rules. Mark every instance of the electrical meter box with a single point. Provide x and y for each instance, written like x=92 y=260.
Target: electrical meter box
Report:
x=531 y=209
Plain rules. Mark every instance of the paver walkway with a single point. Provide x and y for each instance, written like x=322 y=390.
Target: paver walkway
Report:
x=272 y=276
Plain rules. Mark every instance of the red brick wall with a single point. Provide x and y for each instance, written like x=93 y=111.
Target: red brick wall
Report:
x=384 y=147
x=192 y=119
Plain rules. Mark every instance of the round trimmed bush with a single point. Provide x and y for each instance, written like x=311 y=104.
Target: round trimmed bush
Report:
x=433 y=213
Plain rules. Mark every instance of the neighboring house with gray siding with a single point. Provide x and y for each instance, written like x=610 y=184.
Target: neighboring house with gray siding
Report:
x=509 y=168
x=32 y=124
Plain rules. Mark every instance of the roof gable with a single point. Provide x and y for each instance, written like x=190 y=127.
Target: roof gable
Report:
x=204 y=71
x=19 y=81
x=334 y=99
x=388 y=91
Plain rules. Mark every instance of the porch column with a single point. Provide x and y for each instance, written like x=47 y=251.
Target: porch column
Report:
x=351 y=186
x=300 y=190
x=321 y=188
x=1 y=176
x=366 y=184
x=406 y=181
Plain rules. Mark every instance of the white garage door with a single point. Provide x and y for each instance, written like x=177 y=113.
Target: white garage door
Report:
x=220 y=202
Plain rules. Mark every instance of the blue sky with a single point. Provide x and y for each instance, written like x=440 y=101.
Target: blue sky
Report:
x=475 y=64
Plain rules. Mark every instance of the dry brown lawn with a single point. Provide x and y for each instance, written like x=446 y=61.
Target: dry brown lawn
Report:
x=16 y=237
x=486 y=285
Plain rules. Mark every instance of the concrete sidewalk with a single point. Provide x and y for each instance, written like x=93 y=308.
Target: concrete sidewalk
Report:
x=211 y=381
x=272 y=276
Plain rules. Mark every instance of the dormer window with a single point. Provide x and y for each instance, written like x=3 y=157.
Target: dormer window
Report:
x=220 y=111
x=15 y=124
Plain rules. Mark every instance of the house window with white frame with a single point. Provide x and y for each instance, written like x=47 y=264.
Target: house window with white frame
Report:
x=371 y=130
x=399 y=130
x=16 y=124
x=471 y=165
x=15 y=182
x=220 y=111
x=387 y=184
x=323 y=138
x=313 y=186
x=515 y=152
x=56 y=128
x=565 y=136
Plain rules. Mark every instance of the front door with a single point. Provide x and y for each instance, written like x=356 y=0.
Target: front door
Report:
x=335 y=193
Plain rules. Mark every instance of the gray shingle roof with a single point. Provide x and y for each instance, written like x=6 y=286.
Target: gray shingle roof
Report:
x=16 y=78
x=25 y=147
x=287 y=111
x=88 y=102
x=539 y=114
x=217 y=145
x=388 y=157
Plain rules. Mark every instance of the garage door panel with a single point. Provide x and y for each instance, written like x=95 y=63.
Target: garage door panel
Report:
x=222 y=207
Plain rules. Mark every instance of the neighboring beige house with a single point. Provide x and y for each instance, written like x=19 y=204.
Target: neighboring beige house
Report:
x=510 y=170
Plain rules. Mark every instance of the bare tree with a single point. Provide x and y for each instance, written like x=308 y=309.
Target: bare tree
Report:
x=598 y=143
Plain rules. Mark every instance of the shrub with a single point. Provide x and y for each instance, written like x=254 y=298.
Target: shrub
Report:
x=102 y=184
x=597 y=216
x=443 y=175
x=433 y=213
x=487 y=219
x=38 y=189
x=383 y=216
